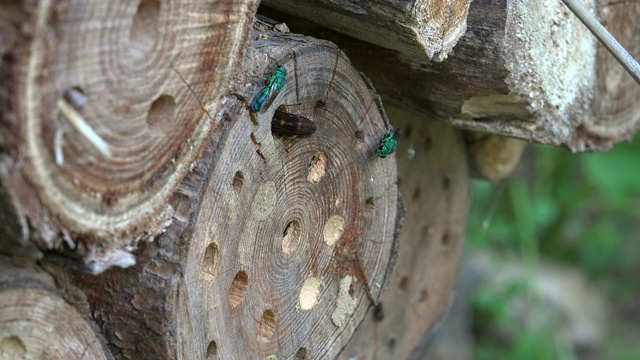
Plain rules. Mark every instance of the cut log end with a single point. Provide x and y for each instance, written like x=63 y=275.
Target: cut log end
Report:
x=316 y=240
x=37 y=323
x=114 y=114
x=433 y=175
x=289 y=232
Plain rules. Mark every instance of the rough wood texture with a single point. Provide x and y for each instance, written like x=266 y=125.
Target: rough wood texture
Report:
x=101 y=114
x=37 y=322
x=529 y=70
x=289 y=241
x=615 y=106
x=418 y=28
x=434 y=179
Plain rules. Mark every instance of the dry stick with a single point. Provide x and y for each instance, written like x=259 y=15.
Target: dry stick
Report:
x=80 y=124
x=614 y=47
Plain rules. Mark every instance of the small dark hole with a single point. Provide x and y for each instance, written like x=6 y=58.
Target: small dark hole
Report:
x=212 y=351
x=423 y=295
x=392 y=343
x=378 y=312
x=301 y=354
x=427 y=143
x=446 y=182
x=238 y=181
x=75 y=96
x=445 y=239
x=404 y=283
x=416 y=194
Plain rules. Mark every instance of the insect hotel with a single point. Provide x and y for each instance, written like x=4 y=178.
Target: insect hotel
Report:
x=224 y=179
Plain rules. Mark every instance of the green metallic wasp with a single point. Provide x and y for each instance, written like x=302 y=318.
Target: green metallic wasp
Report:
x=388 y=144
x=273 y=86
x=291 y=125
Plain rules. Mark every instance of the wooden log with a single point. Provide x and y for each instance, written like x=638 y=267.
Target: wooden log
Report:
x=523 y=69
x=103 y=114
x=39 y=321
x=422 y=29
x=615 y=107
x=283 y=244
x=433 y=177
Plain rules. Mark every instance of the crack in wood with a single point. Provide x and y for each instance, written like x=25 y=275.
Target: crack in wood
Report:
x=333 y=75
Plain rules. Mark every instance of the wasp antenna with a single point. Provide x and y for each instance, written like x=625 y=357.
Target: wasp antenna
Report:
x=281 y=143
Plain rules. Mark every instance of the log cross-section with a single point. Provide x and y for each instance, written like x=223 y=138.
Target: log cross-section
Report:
x=290 y=240
x=107 y=110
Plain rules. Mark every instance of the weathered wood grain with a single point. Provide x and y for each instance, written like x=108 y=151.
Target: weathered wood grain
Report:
x=38 y=320
x=103 y=114
x=434 y=179
x=418 y=28
x=283 y=243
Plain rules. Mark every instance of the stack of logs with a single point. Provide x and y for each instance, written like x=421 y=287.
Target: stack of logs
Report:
x=147 y=212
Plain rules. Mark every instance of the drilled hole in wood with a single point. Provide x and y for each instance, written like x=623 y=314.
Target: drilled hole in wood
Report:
x=369 y=206
x=291 y=238
x=427 y=143
x=238 y=181
x=416 y=194
x=309 y=293
x=212 y=351
x=317 y=167
x=161 y=114
x=320 y=105
x=211 y=257
x=301 y=354
x=423 y=295
x=446 y=182
x=12 y=345
x=378 y=312
x=238 y=289
x=333 y=229
x=144 y=29
x=75 y=96
x=267 y=326
x=404 y=283
x=445 y=239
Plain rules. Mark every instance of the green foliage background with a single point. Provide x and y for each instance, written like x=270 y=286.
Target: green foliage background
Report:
x=581 y=210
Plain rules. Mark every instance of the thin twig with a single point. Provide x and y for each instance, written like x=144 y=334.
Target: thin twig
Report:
x=614 y=47
x=57 y=146
x=81 y=125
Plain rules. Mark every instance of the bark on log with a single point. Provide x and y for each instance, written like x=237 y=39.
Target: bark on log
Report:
x=433 y=177
x=38 y=322
x=524 y=69
x=102 y=114
x=422 y=29
x=283 y=243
